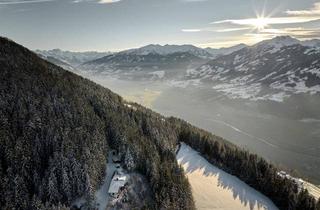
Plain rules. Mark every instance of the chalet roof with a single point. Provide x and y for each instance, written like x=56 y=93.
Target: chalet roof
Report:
x=117 y=182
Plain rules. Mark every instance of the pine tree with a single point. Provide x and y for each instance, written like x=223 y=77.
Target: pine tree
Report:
x=66 y=187
x=53 y=191
x=129 y=160
x=318 y=204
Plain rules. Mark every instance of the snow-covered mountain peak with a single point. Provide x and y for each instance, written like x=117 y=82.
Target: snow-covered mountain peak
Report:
x=277 y=42
x=168 y=49
x=273 y=69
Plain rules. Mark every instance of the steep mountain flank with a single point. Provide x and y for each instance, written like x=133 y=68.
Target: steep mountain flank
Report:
x=56 y=129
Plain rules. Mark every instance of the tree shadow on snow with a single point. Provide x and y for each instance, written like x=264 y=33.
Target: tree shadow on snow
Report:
x=192 y=162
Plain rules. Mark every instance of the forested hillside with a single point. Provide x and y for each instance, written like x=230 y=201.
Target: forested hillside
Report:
x=56 y=129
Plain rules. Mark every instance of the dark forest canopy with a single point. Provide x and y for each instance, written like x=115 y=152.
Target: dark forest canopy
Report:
x=56 y=129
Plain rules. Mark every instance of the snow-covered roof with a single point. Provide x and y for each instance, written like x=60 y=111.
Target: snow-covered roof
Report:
x=120 y=178
x=115 y=186
x=117 y=182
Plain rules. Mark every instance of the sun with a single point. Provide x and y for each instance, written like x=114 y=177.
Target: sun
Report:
x=260 y=23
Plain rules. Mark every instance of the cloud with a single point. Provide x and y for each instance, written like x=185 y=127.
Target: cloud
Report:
x=97 y=1
x=22 y=2
x=191 y=30
x=292 y=17
x=315 y=10
x=194 y=0
x=298 y=32
x=108 y=1
x=211 y=29
x=269 y=21
x=232 y=29
x=301 y=24
x=267 y=26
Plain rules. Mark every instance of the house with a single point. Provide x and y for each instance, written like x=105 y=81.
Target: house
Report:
x=117 y=183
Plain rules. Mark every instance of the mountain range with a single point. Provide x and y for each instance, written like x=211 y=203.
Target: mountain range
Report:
x=269 y=70
x=157 y=57
x=272 y=69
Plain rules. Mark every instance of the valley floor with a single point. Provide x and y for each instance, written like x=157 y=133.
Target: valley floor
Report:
x=213 y=188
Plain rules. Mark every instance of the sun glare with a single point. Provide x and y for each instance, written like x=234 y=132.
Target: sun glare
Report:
x=260 y=23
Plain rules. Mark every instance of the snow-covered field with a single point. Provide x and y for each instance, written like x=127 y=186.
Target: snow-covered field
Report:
x=213 y=188
x=312 y=189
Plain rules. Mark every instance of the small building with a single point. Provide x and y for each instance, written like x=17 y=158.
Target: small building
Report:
x=117 y=183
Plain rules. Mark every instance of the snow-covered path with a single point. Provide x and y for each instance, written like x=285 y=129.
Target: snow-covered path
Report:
x=102 y=196
x=213 y=188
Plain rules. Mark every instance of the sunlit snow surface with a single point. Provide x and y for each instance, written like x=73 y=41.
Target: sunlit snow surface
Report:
x=213 y=188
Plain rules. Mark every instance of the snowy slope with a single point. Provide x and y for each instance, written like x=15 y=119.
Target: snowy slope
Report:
x=213 y=188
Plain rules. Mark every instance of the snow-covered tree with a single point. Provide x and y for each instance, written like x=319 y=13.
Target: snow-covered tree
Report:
x=129 y=160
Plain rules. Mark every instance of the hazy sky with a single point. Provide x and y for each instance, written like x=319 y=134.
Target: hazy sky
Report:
x=120 y=24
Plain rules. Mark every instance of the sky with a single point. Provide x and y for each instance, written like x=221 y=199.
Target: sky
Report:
x=113 y=25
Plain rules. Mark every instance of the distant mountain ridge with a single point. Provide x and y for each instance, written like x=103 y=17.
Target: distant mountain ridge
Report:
x=72 y=58
x=288 y=41
x=269 y=70
x=169 y=49
x=143 y=66
x=75 y=59
x=272 y=69
x=224 y=51
x=153 y=61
